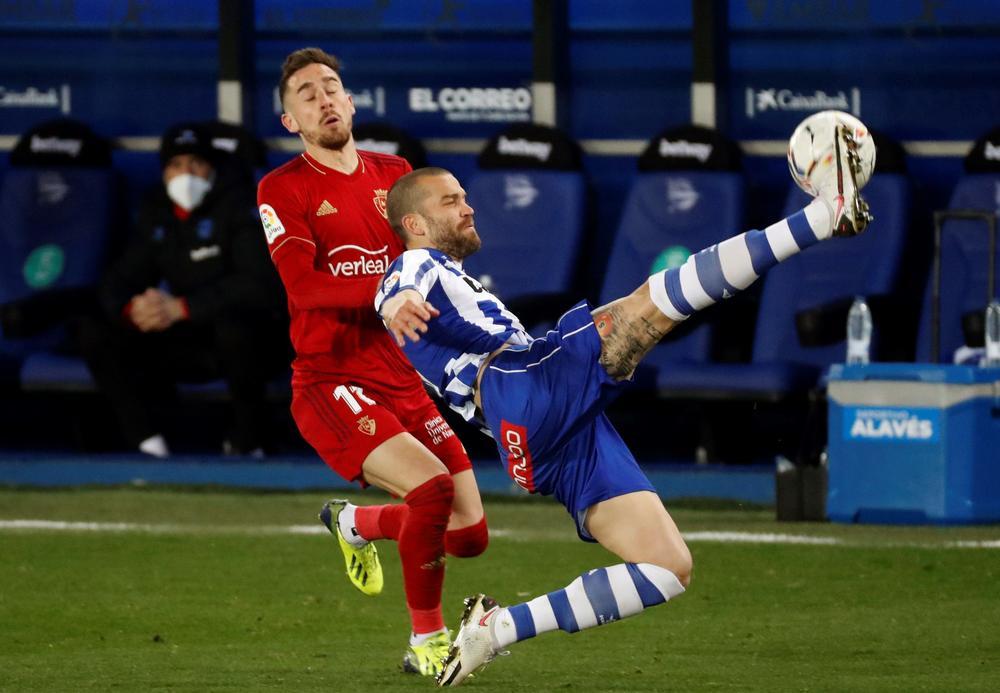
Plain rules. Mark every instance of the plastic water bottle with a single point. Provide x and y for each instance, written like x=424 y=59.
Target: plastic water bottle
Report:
x=859 y=331
x=992 y=334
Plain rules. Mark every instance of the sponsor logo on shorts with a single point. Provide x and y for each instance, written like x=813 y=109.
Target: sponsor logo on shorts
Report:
x=438 y=429
x=514 y=440
x=366 y=425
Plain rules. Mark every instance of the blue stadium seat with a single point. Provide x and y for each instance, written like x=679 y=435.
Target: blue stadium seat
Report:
x=680 y=203
x=801 y=322
x=530 y=200
x=58 y=201
x=965 y=257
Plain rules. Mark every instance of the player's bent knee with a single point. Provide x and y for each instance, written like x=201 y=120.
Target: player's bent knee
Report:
x=434 y=495
x=677 y=559
x=467 y=542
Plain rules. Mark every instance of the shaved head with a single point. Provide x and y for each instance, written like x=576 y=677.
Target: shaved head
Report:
x=407 y=195
x=428 y=209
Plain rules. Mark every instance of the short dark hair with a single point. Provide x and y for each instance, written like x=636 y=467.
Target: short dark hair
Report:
x=301 y=58
x=406 y=195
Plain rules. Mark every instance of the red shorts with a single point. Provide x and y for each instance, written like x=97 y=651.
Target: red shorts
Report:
x=345 y=422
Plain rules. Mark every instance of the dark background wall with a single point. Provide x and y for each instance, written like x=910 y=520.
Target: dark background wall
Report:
x=924 y=71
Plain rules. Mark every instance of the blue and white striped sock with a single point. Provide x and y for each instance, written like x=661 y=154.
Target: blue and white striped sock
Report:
x=597 y=597
x=723 y=269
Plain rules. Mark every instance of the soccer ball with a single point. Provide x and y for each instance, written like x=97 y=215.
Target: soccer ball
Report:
x=812 y=153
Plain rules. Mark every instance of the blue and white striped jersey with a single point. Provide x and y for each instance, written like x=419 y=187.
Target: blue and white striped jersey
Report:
x=473 y=324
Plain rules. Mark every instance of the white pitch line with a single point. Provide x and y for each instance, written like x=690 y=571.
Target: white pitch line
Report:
x=759 y=538
x=985 y=544
x=15 y=525
x=111 y=527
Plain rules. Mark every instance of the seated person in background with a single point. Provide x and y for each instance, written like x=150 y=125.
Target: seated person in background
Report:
x=193 y=298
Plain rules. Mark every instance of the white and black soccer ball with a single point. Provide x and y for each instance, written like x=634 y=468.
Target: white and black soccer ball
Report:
x=812 y=155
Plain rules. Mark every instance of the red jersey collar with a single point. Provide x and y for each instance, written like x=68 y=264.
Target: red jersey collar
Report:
x=325 y=170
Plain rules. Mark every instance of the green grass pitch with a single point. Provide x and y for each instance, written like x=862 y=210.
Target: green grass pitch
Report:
x=211 y=591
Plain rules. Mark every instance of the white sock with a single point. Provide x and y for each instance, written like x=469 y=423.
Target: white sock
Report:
x=347 y=527
x=724 y=269
x=155 y=445
x=597 y=597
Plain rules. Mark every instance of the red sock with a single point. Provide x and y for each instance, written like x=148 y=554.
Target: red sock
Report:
x=384 y=522
x=380 y=521
x=467 y=542
x=421 y=550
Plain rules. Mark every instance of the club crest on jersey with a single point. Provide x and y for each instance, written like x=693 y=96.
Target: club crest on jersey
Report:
x=272 y=224
x=381 y=195
x=366 y=425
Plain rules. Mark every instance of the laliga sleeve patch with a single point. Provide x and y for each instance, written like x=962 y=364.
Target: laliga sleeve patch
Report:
x=390 y=282
x=272 y=224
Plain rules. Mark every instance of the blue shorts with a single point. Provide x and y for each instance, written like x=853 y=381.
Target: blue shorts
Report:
x=545 y=405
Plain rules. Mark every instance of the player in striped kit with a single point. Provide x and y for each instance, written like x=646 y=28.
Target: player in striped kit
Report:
x=543 y=399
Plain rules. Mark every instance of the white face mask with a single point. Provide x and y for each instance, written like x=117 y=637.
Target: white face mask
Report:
x=188 y=190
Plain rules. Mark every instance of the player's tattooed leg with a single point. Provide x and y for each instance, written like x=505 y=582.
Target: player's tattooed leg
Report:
x=626 y=337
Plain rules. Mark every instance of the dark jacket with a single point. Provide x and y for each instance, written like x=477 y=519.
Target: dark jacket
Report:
x=216 y=259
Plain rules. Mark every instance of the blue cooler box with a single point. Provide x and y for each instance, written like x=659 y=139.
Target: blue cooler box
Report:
x=913 y=443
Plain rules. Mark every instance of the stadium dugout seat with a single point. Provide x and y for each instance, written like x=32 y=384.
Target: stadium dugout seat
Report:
x=800 y=328
x=688 y=195
x=248 y=152
x=59 y=202
x=529 y=194
x=802 y=316
x=388 y=139
x=964 y=258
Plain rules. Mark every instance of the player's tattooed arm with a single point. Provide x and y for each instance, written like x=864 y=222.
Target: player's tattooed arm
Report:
x=626 y=337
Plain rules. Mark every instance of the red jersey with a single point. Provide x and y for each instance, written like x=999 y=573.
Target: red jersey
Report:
x=331 y=242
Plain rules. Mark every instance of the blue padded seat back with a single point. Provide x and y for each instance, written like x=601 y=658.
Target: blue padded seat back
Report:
x=532 y=224
x=67 y=208
x=838 y=269
x=55 y=234
x=667 y=216
x=964 y=265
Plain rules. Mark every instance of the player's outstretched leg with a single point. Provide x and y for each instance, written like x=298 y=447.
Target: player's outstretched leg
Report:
x=630 y=326
x=474 y=646
x=595 y=598
x=360 y=556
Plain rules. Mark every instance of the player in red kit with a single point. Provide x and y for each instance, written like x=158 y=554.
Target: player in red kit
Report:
x=355 y=397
